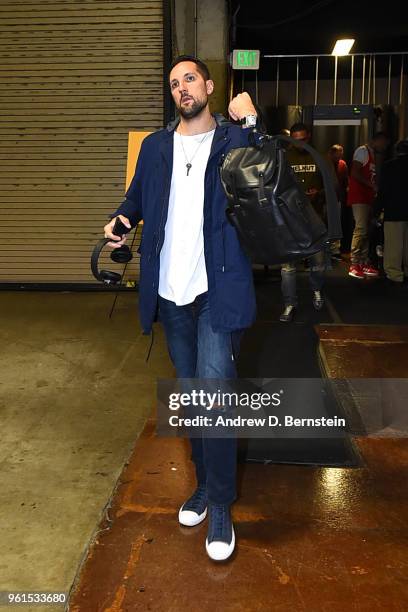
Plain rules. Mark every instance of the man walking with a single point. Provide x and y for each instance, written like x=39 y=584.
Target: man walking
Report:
x=308 y=175
x=193 y=273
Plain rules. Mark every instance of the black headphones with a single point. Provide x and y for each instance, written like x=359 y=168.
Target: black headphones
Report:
x=121 y=255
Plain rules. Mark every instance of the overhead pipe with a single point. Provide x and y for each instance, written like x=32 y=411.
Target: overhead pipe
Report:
x=297 y=82
x=369 y=80
x=389 y=81
x=374 y=80
x=401 y=79
x=363 y=80
x=352 y=79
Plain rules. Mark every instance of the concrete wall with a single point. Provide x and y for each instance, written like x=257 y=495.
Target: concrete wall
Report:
x=206 y=37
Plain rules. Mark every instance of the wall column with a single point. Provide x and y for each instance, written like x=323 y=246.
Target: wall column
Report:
x=201 y=27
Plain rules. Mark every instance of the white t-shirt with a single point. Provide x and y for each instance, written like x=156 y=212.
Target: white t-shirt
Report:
x=361 y=155
x=183 y=274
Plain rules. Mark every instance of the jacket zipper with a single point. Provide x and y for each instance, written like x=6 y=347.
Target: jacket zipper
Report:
x=223 y=247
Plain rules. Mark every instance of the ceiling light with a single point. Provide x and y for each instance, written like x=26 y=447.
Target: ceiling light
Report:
x=343 y=46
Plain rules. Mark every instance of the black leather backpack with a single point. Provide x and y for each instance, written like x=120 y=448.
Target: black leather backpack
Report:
x=275 y=221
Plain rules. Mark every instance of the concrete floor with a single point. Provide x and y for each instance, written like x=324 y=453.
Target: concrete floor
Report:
x=74 y=395
x=309 y=539
x=75 y=392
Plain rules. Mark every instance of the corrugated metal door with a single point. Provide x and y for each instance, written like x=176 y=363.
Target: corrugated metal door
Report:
x=75 y=77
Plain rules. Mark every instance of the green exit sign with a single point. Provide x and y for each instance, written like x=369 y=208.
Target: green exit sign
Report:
x=243 y=59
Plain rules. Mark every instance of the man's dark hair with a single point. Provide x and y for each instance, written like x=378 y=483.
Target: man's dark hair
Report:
x=201 y=67
x=299 y=127
x=380 y=135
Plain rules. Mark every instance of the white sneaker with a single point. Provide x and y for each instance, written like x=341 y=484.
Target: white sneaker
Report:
x=220 y=542
x=318 y=301
x=194 y=510
x=288 y=314
x=220 y=551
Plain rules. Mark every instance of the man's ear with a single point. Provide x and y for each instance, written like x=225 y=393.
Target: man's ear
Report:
x=210 y=86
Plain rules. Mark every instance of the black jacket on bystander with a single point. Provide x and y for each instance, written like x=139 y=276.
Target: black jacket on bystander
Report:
x=392 y=197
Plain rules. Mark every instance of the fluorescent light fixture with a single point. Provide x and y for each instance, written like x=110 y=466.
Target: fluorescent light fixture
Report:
x=343 y=46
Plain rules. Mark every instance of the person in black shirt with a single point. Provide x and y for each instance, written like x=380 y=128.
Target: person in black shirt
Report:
x=392 y=198
x=309 y=176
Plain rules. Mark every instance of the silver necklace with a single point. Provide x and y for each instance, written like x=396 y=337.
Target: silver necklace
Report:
x=188 y=161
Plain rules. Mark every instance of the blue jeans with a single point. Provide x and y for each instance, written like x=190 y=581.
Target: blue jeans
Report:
x=288 y=273
x=198 y=352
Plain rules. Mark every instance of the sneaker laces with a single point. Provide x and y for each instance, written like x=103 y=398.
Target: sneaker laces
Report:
x=197 y=500
x=218 y=515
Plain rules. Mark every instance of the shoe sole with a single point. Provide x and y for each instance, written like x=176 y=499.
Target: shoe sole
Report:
x=193 y=522
x=370 y=274
x=287 y=319
x=228 y=552
x=356 y=275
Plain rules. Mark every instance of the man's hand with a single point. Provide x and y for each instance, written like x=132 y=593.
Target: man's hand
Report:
x=118 y=240
x=241 y=106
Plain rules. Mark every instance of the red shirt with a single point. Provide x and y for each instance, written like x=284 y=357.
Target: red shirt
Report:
x=342 y=176
x=359 y=193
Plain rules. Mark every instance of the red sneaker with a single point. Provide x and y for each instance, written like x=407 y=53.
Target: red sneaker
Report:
x=370 y=271
x=356 y=270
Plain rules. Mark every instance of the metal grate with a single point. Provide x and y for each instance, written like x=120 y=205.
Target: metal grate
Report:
x=370 y=78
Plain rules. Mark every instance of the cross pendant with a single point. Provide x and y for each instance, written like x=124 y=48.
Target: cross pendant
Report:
x=188 y=166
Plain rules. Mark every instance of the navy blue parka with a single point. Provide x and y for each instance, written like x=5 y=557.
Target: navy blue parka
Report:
x=230 y=282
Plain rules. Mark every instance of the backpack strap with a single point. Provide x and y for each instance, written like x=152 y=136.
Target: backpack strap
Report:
x=333 y=209
x=332 y=202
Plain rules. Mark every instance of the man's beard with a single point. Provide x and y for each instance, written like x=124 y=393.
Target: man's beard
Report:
x=193 y=110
